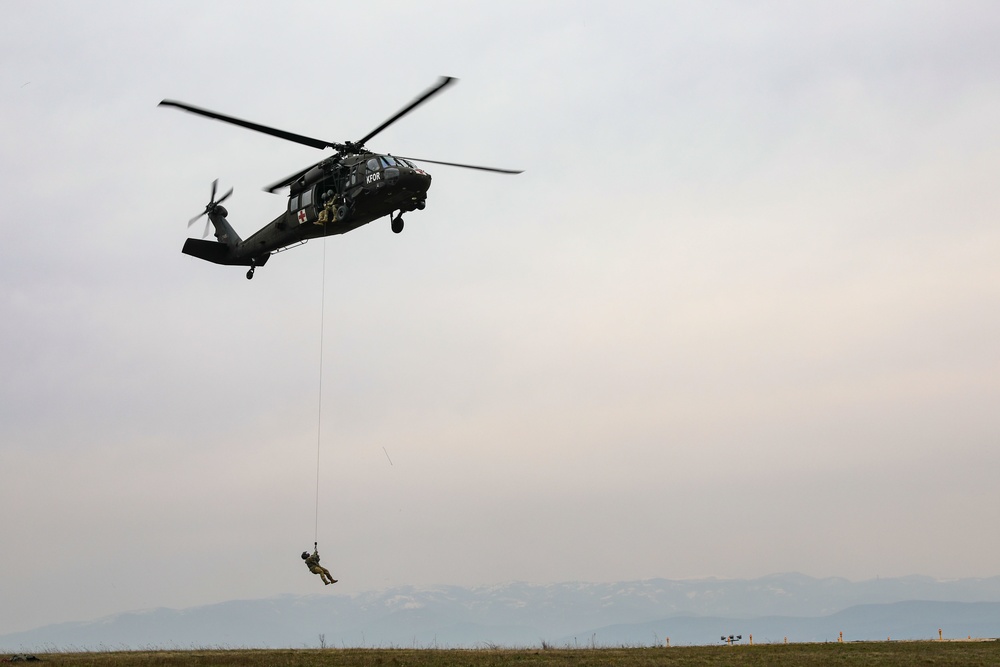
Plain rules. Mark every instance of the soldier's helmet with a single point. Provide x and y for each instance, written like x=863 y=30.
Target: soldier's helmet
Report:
x=305 y=554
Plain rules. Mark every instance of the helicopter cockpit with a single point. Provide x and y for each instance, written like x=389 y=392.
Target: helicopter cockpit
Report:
x=385 y=169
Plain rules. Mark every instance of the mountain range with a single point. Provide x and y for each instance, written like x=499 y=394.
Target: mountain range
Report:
x=634 y=613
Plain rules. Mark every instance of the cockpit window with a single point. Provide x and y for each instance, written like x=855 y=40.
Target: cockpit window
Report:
x=405 y=163
x=372 y=165
x=390 y=160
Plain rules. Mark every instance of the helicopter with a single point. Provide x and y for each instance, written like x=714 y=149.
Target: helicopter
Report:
x=340 y=193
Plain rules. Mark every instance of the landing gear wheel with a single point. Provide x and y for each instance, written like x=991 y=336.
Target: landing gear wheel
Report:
x=397 y=224
x=250 y=273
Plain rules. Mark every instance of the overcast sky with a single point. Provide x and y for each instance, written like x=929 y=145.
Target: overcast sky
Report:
x=739 y=315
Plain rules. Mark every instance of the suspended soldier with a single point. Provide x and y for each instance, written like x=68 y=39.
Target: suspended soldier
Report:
x=312 y=562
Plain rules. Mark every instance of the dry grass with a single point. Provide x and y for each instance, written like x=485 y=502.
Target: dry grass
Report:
x=964 y=654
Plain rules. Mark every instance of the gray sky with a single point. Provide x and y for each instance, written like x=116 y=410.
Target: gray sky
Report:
x=740 y=315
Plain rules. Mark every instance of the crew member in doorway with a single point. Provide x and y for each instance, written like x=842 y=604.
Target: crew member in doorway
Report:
x=328 y=213
x=312 y=562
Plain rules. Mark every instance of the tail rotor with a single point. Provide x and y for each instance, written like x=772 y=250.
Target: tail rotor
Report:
x=213 y=206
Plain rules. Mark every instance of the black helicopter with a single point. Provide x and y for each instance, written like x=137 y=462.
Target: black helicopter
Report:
x=342 y=192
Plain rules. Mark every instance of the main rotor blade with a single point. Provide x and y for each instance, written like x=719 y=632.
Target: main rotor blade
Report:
x=274 y=187
x=281 y=134
x=465 y=166
x=427 y=94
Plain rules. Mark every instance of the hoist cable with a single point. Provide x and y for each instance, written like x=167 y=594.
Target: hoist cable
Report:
x=319 y=410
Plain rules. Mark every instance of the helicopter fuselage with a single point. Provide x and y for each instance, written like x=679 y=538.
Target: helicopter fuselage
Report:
x=352 y=192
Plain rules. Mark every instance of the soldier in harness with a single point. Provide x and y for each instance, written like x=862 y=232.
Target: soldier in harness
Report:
x=312 y=562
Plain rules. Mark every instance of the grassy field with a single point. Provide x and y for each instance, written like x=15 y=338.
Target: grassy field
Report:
x=964 y=654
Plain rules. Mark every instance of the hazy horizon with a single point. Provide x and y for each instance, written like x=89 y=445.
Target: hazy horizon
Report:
x=623 y=613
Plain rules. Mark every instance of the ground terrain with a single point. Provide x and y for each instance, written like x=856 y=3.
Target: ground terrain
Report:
x=965 y=654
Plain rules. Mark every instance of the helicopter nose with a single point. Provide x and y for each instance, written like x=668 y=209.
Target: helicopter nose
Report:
x=421 y=179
